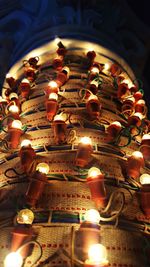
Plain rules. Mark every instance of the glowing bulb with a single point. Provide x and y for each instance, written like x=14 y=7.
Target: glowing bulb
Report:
x=97 y=254
x=53 y=96
x=139 y=115
x=13 y=109
x=13 y=95
x=93 y=172
x=94 y=97
x=25 y=81
x=137 y=154
x=145 y=179
x=92 y=216
x=57 y=40
x=106 y=66
x=25 y=143
x=25 y=216
x=16 y=124
x=8 y=75
x=146 y=137
x=94 y=83
x=94 y=70
x=59 y=117
x=53 y=84
x=42 y=167
x=86 y=140
x=13 y=259
x=117 y=123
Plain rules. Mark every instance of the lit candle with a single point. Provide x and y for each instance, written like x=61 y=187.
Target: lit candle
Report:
x=59 y=128
x=140 y=106
x=15 y=133
x=113 y=130
x=21 y=234
x=13 y=259
x=145 y=193
x=27 y=155
x=89 y=231
x=97 y=256
x=30 y=73
x=145 y=146
x=37 y=184
x=115 y=70
x=51 y=106
x=128 y=106
x=62 y=76
x=24 y=88
x=10 y=80
x=93 y=107
x=95 y=181
x=84 y=152
x=134 y=164
x=51 y=88
x=123 y=91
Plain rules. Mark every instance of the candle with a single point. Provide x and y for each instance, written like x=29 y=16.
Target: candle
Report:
x=84 y=152
x=93 y=107
x=37 y=184
x=59 y=128
x=62 y=76
x=145 y=193
x=13 y=259
x=15 y=133
x=27 y=155
x=24 y=88
x=89 y=232
x=97 y=256
x=134 y=164
x=145 y=146
x=128 y=106
x=51 y=106
x=113 y=130
x=95 y=181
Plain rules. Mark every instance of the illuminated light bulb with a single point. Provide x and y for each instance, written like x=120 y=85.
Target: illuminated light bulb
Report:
x=95 y=181
x=145 y=194
x=14 y=109
x=134 y=164
x=27 y=155
x=25 y=88
x=8 y=75
x=15 y=133
x=106 y=66
x=97 y=256
x=93 y=107
x=140 y=106
x=60 y=129
x=25 y=216
x=43 y=168
x=145 y=146
x=115 y=70
x=92 y=215
x=52 y=87
x=128 y=106
x=13 y=96
x=13 y=259
x=51 y=106
x=123 y=91
x=37 y=184
x=63 y=76
x=113 y=130
x=84 y=152
x=95 y=70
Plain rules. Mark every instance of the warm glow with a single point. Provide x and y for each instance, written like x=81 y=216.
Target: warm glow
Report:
x=130 y=98
x=137 y=154
x=94 y=70
x=145 y=178
x=106 y=66
x=97 y=254
x=53 y=96
x=8 y=75
x=94 y=83
x=53 y=84
x=128 y=82
x=16 y=124
x=86 y=140
x=139 y=115
x=13 y=259
x=13 y=109
x=25 y=81
x=66 y=69
x=57 y=40
x=25 y=216
x=13 y=95
x=146 y=137
x=116 y=123
x=92 y=216
x=94 y=172
x=25 y=143
x=59 y=117
x=42 y=167
x=92 y=97
x=140 y=102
